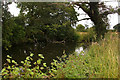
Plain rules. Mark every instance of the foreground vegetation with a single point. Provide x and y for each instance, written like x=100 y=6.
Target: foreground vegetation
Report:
x=100 y=61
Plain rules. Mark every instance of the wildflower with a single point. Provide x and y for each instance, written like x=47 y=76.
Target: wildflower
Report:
x=19 y=74
x=21 y=69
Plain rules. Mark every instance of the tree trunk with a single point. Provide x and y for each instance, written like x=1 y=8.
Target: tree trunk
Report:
x=96 y=18
x=100 y=26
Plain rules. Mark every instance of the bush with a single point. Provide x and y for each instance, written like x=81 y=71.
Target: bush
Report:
x=13 y=70
x=80 y=28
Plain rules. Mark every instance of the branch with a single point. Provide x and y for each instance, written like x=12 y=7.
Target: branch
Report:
x=79 y=20
x=84 y=19
x=82 y=6
x=109 y=12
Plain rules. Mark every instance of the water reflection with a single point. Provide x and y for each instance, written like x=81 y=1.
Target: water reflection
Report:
x=79 y=51
x=50 y=51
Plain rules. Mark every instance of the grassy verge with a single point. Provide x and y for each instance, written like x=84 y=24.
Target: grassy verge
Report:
x=101 y=61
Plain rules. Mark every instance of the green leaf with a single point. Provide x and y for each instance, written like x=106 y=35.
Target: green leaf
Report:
x=27 y=58
x=35 y=63
x=37 y=67
x=42 y=68
x=41 y=55
x=39 y=61
x=5 y=73
x=52 y=63
x=13 y=61
x=22 y=62
x=31 y=54
x=8 y=60
x=32 y=73
x=8 y=67
x=9 y=56
x=44 y=64
x=3 y=70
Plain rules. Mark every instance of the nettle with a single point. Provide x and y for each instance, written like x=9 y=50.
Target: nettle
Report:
x=13 y=70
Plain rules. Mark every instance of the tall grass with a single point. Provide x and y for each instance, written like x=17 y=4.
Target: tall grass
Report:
x=101 y=61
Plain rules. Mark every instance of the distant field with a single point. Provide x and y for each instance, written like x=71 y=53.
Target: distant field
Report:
x=87 y=32
x=82 y=32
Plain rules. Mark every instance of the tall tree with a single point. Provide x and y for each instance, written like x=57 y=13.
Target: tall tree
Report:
x=97 y=12
x=41 y=17
x=12 y=33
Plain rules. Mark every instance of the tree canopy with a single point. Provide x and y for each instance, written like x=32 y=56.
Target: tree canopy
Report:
x=46 y=22
x=97 y=12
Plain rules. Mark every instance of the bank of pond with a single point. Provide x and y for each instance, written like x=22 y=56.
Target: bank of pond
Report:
x=69 y=60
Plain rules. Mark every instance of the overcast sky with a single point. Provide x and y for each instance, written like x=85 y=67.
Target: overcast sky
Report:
x=113 y=18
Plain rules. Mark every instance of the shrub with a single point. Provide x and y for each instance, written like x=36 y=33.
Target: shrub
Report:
x=80 y=28
x=13 y=70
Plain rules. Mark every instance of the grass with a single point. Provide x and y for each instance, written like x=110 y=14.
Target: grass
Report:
x=101 y=61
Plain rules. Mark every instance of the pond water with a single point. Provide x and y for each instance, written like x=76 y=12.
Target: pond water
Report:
x=50 y=51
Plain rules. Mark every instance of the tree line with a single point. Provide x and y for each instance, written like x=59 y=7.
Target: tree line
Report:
x=48 y=22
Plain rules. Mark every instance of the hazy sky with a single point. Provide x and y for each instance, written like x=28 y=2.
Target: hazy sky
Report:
x=113 y=18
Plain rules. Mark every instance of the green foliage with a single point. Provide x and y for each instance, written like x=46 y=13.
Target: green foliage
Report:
x=46 y=22
x=100 y=61
x=87 y=36
x=24 y=71
x=91 y=34
x=80 y=28
x=12 y=32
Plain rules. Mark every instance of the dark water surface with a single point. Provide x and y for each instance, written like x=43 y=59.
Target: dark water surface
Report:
x=50 y=51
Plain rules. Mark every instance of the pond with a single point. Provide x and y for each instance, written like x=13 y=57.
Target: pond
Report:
x=50 y=51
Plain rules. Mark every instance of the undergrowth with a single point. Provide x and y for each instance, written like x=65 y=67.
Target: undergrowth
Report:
x=100 y=61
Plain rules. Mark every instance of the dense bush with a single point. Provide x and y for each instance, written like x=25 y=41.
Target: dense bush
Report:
x=12 y=33
x=62 y=32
